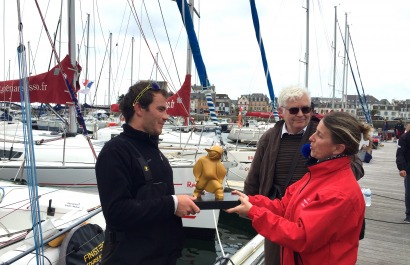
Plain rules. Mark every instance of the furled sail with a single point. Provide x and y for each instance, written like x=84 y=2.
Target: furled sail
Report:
x=199 y=63
x=255 y=19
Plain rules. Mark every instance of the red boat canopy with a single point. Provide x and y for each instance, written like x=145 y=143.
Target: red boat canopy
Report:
x=49 y=87
x=115 y=108
x=264 y=114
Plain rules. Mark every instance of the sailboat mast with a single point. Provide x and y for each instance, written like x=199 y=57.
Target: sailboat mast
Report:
x=132 y=58
x=347 y=61
x=189 y=51
x=344 y=81
x=109 y=72
x=86 y=53
x=29 y=61
x=59 y=32
x=307 y=46
x=72 y=125
x=334 y=62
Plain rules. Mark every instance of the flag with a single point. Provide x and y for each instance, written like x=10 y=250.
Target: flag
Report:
x=88 y=83
x=84 y=91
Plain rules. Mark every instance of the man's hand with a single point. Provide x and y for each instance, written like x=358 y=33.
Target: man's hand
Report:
x=403 y=173
x=186 y=205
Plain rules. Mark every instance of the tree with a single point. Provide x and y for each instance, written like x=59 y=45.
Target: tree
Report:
x=120 y=97
x=374 y=112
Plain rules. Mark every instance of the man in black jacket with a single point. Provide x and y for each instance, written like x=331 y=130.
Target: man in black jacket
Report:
x=399 y=129
x=135 y=183
x=403 y=165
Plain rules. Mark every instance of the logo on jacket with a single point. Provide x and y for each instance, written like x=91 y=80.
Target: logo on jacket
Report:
x=306 y=201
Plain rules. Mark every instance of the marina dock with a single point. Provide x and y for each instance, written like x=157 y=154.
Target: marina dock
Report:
x=387 y=237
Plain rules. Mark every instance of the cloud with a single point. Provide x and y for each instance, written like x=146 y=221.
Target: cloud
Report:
x=228 y=44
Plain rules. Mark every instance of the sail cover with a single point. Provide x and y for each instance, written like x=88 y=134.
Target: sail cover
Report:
x=49 y=87
x=179 y=103
x=199 y=63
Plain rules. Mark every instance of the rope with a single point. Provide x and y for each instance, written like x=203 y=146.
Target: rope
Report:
x=255 y=19
x=169 y=43
x=199 y=63
x=28 y=144
x=366 y=112
x=134 y=12
x=64 y=75
x=68 y=85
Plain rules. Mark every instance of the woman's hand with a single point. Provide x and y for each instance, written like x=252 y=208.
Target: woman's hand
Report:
x=244 y=207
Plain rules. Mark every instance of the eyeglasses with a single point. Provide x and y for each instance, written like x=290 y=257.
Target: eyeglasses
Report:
x=295 y=110
x=154 y=86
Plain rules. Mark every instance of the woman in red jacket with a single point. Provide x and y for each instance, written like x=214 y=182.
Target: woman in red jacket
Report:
x=318 y=221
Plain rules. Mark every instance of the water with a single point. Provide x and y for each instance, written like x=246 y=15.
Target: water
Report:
x=234 y=232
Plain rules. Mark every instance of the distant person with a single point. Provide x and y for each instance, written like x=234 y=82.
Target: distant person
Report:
x=403 y=165
x=399 y=129
x=314 y=113
x=319 y=218
x=135 y=184
x=385 y=130
x=278 y=161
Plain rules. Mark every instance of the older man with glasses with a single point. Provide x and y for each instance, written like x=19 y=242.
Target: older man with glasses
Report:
x=278 y=161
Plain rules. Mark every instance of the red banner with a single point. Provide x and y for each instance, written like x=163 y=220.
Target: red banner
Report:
x=179 y=104
x=48 y=87
x=115 y=108
x=259 y=114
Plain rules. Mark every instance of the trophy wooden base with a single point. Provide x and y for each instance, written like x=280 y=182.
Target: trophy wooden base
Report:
x=208 y=201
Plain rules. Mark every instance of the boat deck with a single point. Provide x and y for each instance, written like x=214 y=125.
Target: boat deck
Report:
x=387 y=238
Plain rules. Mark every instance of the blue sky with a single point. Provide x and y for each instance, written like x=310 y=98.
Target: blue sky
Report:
x=379 y=32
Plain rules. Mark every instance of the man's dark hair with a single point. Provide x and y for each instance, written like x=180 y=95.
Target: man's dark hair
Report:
x=145 y=99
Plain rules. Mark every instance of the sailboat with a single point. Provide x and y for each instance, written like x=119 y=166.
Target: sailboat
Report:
x=66 y=207
x=30 y=215
x=75 y=166
x=61 y=211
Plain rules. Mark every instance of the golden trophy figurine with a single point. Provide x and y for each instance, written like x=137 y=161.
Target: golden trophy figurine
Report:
x=209 y=173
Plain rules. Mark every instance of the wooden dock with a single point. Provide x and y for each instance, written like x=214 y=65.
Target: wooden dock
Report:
x=387 y=238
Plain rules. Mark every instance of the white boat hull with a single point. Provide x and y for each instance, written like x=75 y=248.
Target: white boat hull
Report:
x=57 y=207
x=246 y=135
x=75 y=175
x=78 y=170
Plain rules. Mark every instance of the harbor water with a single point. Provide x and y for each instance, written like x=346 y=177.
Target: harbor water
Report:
x=234 y=232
